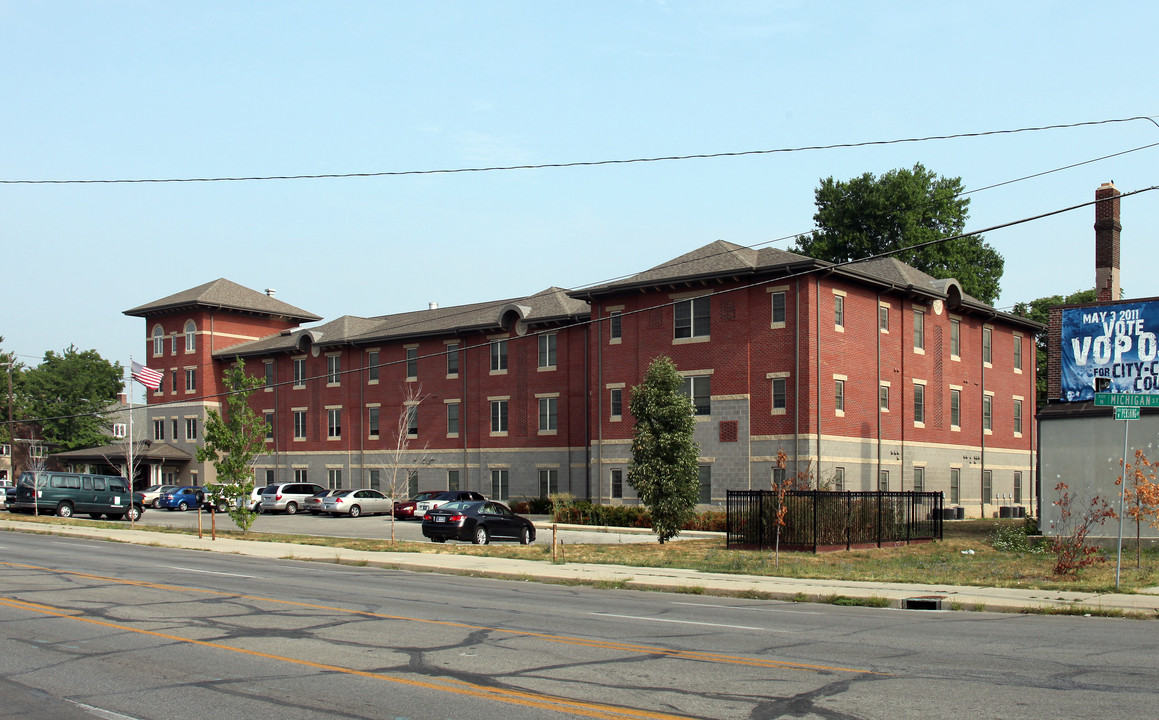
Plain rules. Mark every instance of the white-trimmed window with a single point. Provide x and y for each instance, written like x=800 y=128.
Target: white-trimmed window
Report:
x=190 y=428
x=987 y=346
x=452 y=419
x=173 y=343
x=955 y=338
x=159 y=430
x=498 y=416
x=452 y=479
x=372 y=366
x=334 y=478
x=839 y=479
x=498 y=356
x=919 y=403
x=547 y=358
x=839 y=311
x=839 y=395
x=883 y=397
x=299 y=372
x=268 y=370
x=919 y=330
x=452 y=359
x=615 y=326
x=372 y=421
x=617 y=478
x=412 y=420
x=500 y=483
x=158 y=340
x=412 y=363
x=301 y=475
x=333 y=423
x=190 y=336
x=778 y=298
x=334 y=369
x=988 y=412
x=1018 y=417
x=548 y=414
x=1017 y=352
x=698 y=390
x=190 y=380
x=780 y=394
x=955 y=486
x=692 y=318
x=269 y=417
x=988 y=486
x=299 y=424
x=548 y=482
x=955 y=408
x=919 y=479
x=616 y=403
x=1017 y=487
x=883 y=481
x=883 y=317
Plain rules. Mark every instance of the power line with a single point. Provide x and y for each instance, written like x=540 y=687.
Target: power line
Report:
x=585 y=163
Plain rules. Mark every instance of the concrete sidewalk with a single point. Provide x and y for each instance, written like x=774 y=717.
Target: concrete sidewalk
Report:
x=898 y=595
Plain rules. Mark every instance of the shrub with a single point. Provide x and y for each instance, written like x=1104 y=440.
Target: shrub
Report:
x=1012 y=538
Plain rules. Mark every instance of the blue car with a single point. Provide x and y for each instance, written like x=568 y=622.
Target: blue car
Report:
x=182 y=498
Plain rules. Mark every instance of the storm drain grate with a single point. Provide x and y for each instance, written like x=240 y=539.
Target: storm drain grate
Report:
x=926 y=602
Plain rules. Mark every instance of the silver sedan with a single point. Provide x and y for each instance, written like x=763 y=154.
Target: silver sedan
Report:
x=357 y=502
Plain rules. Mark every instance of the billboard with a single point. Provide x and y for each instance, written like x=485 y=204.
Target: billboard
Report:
x=1110 y=346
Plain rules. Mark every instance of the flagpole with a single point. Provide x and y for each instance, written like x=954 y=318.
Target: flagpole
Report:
x=132 y=524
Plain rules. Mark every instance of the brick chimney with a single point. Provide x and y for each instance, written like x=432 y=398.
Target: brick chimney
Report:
x=1107 y=229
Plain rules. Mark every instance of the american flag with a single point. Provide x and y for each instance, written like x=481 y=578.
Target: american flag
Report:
x=148 y=377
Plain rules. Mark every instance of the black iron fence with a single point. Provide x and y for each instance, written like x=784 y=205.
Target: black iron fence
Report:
x=820 y=520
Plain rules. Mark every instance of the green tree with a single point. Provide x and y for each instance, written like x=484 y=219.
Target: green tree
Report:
x=68 y=395
x=1039 y=311
x=233 y=443
x=871 y=215
x=664 y=469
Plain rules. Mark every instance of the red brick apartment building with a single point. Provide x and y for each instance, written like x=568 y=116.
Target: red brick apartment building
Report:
x=868 y=376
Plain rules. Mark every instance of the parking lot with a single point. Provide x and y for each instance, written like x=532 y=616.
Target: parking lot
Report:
x=369 y=526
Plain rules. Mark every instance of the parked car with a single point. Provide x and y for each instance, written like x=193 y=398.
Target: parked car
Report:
x=182 y=498
x=357 y=502
x=422 y=507
x=405 y=509
x=9 y=494
x=66 y=494
x=288 y=497
x=313 y=504
x=150 y=495
x=477 y=521
x=256 y=498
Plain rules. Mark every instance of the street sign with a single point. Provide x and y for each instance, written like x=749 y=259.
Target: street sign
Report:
x=1126 y=413
x=1127 y=399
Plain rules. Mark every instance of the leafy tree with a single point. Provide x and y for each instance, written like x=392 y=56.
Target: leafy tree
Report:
x=68 y=395
x=233 y=443
x=664 y=469
x=870 y=215
x=1039 y=311
x=1142 y=498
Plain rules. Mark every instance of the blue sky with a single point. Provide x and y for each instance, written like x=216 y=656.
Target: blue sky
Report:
x=134 y=90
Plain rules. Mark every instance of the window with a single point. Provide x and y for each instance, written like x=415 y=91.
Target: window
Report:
x=617 y=402
x=987 y=486
x=299 y=372
x=987 y=348
x=299 y=424
x=987 y=412
x=1018 y=416
x=780 y=396
x=173 y=344
x=778 y=306
x=271 y=476
x=334 y=478
x=547 y=350
x=333 y=369
x=692 y=318
x=498 y=416
x=173 y=381
x=548 y=419
x=919 y=479
x=158 y=341
x=696 y=388
x=705 y=484
x=615 y=325
x=334 y=423
x=955 y=486
x=173 y=427
x=498 y=356
x=412 y=421
x=839 y=311
x=190 y=428
x=190 y=336
x=499 y=481
x=883 y=318
x=955 y=407
x=453 y=418
x=919 y=403
x=548 y=482
x=452 y=479
x=919 y=330
x=1017 y=487
x=372 y=421
x=190 y=380
x=955 y=337
x=883 y=398
x=269 y=372
x=372 y=365
x=839 y=479
x=376 y=480
x=269 y=416
x=617 y=483
x=883 y=480
x=412 y=483
x=453 y=359
x=159 y=430
x=412 y=363
x=839 y=395
x=300 y=475
x=1017 y=352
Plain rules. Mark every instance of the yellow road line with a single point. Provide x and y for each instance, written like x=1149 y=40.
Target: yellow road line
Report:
x=563 y=639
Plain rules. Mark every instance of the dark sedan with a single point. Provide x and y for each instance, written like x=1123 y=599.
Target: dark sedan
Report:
x=477 y=521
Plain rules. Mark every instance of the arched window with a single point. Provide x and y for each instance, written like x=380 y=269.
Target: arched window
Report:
x=158 y=340
x=190 y=336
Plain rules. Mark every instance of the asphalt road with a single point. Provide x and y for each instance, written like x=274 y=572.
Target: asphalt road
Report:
x=95 y=629
x=367 y=526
